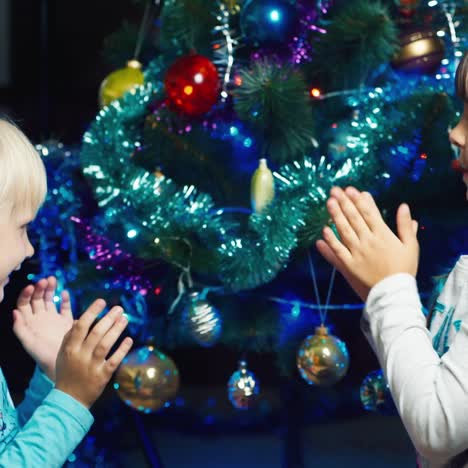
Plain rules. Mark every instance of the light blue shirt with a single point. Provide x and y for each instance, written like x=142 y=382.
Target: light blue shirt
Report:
x=44 y=429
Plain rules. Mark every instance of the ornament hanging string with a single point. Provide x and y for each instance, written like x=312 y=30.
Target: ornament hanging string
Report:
x=152 y=8
x=455 y=40
x=322 y=310
x=185 y=274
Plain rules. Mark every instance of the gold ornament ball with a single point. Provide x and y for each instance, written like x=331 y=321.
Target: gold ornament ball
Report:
x=147 y=379
x=322 y=359
x=420 y=52
x=116 y=84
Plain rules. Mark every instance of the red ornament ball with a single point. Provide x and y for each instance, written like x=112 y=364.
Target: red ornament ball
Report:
x=192 y=85
x=407 y=7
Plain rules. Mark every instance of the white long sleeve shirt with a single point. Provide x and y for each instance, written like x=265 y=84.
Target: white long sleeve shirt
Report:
x=426 y=369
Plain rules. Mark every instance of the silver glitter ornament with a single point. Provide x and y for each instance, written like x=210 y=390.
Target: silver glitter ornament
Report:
x=202 y=320
x=243 y=387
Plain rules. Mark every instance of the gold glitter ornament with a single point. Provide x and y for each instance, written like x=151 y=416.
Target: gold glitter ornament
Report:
x=117 y=83
x=233 y=6
x=147 y=379
x=322 y=359
x=420 y=52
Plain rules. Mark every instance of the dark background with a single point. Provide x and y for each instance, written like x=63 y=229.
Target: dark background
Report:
x=56 y=63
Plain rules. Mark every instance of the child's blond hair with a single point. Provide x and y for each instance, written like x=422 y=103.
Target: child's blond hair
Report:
x=23 y=181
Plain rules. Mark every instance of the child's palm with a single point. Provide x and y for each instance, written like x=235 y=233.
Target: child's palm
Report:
x=38 y=324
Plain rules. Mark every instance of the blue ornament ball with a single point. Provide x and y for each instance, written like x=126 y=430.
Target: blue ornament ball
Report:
x=375 y=394
x=268 y=21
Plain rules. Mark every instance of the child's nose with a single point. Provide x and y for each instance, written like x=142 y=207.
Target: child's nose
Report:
x=457 y=137
x=29 y=250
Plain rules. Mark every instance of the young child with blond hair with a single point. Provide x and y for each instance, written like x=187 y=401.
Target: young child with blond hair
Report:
x=73 y=366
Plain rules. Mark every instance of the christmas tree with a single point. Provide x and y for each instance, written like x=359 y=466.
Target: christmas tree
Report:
x=199 y=189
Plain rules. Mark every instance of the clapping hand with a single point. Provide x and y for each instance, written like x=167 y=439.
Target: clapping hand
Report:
x=38 y=324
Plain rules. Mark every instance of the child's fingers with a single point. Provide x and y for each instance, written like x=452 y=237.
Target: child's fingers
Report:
x=101 y=328
x=339 y=250
x=24 y=298
x=38 y=294
x=345 y=230
x=49 y=292
x=65 y=306
x=415 y=226
x=405 y=225
x=19 y=324
x=102 y=348
x=81 y=326
x=18 y=316
x=350 y=211
x=114 y=361
x=369 y=211
x=352 y=193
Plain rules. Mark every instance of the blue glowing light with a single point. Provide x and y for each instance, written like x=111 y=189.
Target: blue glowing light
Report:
x=248 y=142
x=296 y=310
x=275 y=16
x=132 y=233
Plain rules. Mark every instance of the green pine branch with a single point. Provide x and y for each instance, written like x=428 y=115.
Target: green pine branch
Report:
x=187 y=25
x=274 y=100
x=360 y=37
